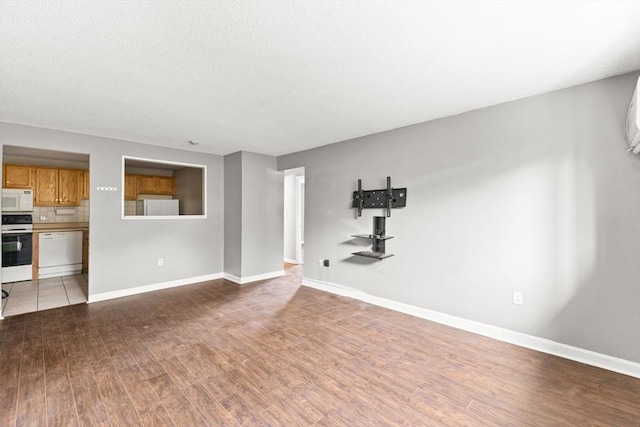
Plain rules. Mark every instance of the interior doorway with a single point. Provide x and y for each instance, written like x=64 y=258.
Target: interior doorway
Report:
x=294 y=191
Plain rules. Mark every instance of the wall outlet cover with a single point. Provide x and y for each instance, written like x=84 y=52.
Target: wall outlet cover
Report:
x=517 y=298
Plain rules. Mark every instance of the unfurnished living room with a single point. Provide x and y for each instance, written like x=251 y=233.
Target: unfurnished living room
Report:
x=320 y=213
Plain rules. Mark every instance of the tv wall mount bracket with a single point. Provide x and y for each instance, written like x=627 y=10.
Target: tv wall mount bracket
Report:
x=388 y=198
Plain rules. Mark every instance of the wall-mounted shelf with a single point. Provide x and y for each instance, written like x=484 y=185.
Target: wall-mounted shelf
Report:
x=378 y=250
x=369 y=254
x=372 y=236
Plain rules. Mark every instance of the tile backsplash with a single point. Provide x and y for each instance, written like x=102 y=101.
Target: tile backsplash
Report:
x=129 y=207
x=44 y=214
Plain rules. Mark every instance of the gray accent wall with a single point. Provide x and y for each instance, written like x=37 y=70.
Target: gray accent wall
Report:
x=262 y=215
x=253 y=215
x=537 y=196
x=189 y=190
x=123 y=253
x=232 y=214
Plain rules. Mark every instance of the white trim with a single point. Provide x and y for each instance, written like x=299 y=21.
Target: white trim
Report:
x=249 y=279
x=543 y=345
x=154 y=287
x=290 y=261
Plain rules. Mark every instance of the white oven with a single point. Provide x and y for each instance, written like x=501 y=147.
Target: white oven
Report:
x=14 y=200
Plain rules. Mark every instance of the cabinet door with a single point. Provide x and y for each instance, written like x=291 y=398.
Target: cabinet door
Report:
x=130 y=187
x=164 y=185
x=69 y=190
x=16 y=176
x=85 y=251
x=146 y=184
x=85 y=185
x=46 y=187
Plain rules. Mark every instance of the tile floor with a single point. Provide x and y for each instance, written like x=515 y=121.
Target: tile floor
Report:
x=43 y=294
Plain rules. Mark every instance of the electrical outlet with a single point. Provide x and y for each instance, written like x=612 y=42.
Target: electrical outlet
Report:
x=320 y=262
x=517 y=298
x=325 y=263
x=160 y=262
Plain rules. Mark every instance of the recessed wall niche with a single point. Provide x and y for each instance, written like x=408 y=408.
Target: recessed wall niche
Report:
x=162 y=189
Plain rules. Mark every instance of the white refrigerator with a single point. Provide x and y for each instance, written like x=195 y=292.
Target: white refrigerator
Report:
x=152 y=207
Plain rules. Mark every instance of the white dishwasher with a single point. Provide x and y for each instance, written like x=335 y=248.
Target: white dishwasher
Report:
x=59 y=253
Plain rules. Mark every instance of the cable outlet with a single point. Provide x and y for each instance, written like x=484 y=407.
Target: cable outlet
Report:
x=160 y=262
x=325 y=263
x=517 y=298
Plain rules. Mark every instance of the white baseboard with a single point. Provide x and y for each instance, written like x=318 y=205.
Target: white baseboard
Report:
x=154 y=287
x=290 y=261
x=517 y=338
x=249 y=279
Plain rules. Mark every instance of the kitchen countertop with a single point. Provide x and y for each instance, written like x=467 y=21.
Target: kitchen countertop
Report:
x=60 y=226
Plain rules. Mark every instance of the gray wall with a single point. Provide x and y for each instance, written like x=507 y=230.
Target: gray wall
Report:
x=253 y=214
x=189 y=190
x=123 y=253
x=262 y=215
x=536 y=195
x=232 y=214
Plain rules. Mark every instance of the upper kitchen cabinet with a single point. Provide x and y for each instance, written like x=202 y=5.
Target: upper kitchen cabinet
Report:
x=85 y=185
x=18 y=176
x=163 y=185
x=58 y=187
x=130 y=187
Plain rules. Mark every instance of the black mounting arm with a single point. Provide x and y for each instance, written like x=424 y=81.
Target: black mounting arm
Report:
x=388 y=198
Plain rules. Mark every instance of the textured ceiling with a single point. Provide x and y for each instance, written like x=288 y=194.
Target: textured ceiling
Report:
x=277 y=77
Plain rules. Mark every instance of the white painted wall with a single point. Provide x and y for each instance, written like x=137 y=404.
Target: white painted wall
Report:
x=536 y=195
x=292 y=203
x=289 y=216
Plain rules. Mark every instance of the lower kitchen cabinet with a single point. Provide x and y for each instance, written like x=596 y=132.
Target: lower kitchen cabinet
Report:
x=85 y=251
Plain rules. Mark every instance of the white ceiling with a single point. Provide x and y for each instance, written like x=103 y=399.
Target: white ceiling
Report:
x=276 y=77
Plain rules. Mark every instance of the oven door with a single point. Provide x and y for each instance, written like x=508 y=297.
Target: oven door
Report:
x=16 y=249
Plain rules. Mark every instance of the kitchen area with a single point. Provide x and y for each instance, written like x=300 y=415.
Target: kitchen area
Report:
x=45 y=229
x=45 y=219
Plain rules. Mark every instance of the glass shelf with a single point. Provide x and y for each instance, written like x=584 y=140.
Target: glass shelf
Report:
x=372 y=236
x=369 y=254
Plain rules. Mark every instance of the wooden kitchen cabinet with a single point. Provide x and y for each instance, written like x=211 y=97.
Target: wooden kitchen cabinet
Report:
x=165 y=185
x=149 y=184
x=85 y=251
x=57 y=187
x=86 y=188
x=18 y=176
x=146 y=184
x=130 y=187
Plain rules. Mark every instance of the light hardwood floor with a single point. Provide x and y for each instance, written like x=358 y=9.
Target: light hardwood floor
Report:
x=275 y=353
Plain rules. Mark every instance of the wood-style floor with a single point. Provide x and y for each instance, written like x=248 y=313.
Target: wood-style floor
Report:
x=275 y=353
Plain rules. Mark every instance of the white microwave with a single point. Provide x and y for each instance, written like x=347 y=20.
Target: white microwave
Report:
x=14 y=200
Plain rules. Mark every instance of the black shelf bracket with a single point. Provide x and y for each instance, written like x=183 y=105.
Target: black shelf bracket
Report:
x=387 y=198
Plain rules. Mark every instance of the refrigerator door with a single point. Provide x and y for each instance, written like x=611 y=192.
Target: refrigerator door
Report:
x=160 y=207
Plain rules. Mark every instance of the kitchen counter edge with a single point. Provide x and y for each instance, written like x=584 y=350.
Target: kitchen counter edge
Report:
x=60 y=226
